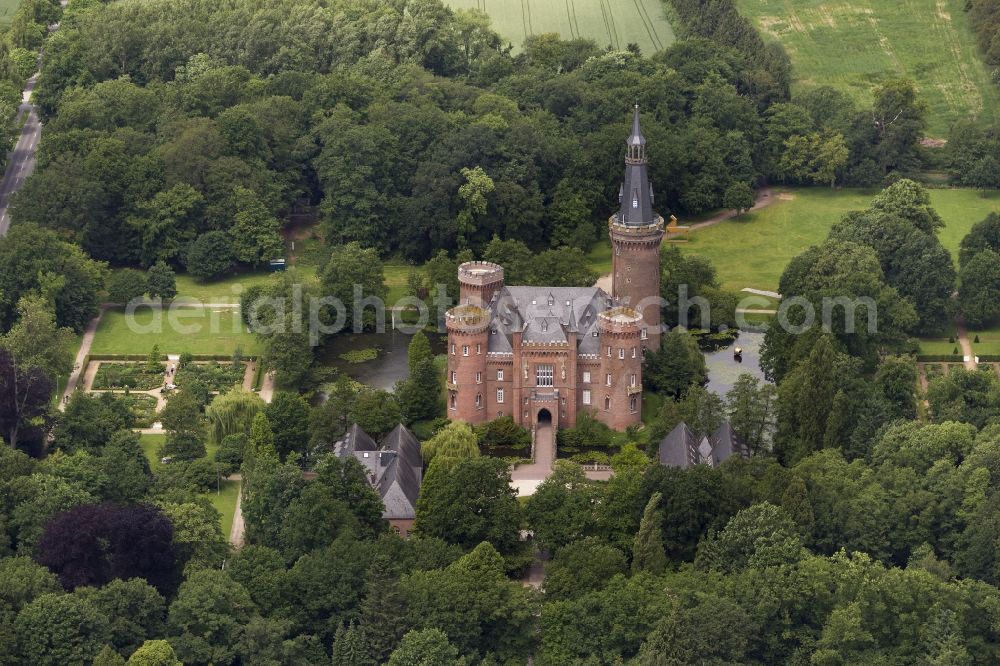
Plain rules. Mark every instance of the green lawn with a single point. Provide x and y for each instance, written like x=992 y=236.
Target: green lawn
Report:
x=989 y=341
x=753 y=250
x=7 y=10
x=224 y=501
x=396 y=273
x=215 y=331
x=608 y=22
x=228 y=290
x=856 y=44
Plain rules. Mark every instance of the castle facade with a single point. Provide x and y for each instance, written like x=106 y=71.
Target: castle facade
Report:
x=544 y=354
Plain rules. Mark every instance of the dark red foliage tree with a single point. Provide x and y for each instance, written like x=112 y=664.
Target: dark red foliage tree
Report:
x=24 y=395
x=95 y=543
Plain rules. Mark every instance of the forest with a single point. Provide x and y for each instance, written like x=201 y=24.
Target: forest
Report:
x=180 y=135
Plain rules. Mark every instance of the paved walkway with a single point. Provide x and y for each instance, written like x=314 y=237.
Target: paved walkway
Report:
x=963 y=340
x=78 y=367
x=239 y=527
x=526 y=478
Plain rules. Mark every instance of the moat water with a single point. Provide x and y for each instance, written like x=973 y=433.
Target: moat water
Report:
x=387 y=368
x=724 y=369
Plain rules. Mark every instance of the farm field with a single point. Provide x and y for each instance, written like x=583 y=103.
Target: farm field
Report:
x=856 y=44
x=753 y=250
x=219 y=332
x=614 y=22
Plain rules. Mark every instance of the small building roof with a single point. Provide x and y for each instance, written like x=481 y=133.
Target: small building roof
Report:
x=683 y=448
x=394 y=467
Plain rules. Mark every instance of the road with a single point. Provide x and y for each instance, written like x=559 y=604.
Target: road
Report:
x=21 y=161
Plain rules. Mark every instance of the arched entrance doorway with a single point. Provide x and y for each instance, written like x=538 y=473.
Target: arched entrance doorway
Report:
x=544 y=417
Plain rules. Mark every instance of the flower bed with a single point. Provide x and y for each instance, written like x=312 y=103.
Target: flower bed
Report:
x=143 y=408
x=216 y=376
x=135 y=376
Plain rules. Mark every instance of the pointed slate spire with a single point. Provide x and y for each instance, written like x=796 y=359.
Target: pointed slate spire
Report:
x=571 y=324
x=636 y=194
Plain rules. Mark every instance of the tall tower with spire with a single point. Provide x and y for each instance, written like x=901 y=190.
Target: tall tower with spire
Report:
x=636 y=233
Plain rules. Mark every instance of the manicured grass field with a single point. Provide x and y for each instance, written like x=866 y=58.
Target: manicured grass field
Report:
x=607 y=22
x=856 y=44
x=228 y=290
x=753 y=249
x=215 y=331
x=989 y=340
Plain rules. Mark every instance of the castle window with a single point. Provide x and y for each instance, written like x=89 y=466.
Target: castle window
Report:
x=454 y=377
x=465 y=350
x=644 y=334
x=454 y=401
x=499 y=375
x=632 y=380
x=586 y=396
x=500 y=413
x=479 y=400
x=586 y=376
x=632 y=404
x=500 y=396
x=453 y=349
x=607 y=403
x=609 y=351
x=479 y=349
x=479 y=378
x=543 y=375
x=633 y=352
x=607 y=379
x=621 y=352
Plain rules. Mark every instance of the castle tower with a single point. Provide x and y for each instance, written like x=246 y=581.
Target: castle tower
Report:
x=478 y=281
x=636 y=233
x=618 y=394
x=468 y=337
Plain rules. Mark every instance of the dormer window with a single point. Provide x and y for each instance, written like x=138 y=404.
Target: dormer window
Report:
x=552 y=300
x=635 y=202
x=545 y=326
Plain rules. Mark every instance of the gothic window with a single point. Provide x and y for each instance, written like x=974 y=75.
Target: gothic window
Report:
x=500 y=396
x=465 y=350
x=479 y=400
x=545 y=326
x=543 y=375
x=632 y=404
x=607 y=403
x=499 y=375
x=621 y=352
x=632 y=380
x=552 y=300
x=607 y=379
x=479 y=378
x=454 y=400
x=586 y=396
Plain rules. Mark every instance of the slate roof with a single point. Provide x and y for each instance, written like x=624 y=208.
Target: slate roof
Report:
x=636 y=194
x=683 y=448
x=546 y=315
x=394 y=466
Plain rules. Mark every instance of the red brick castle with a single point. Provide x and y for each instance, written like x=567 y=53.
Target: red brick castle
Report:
x=543 y=354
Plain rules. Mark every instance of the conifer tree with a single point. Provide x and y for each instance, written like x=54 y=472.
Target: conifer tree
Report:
x=648 y=552
x=350 y=647
x=795 y=502
x=383 y=611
